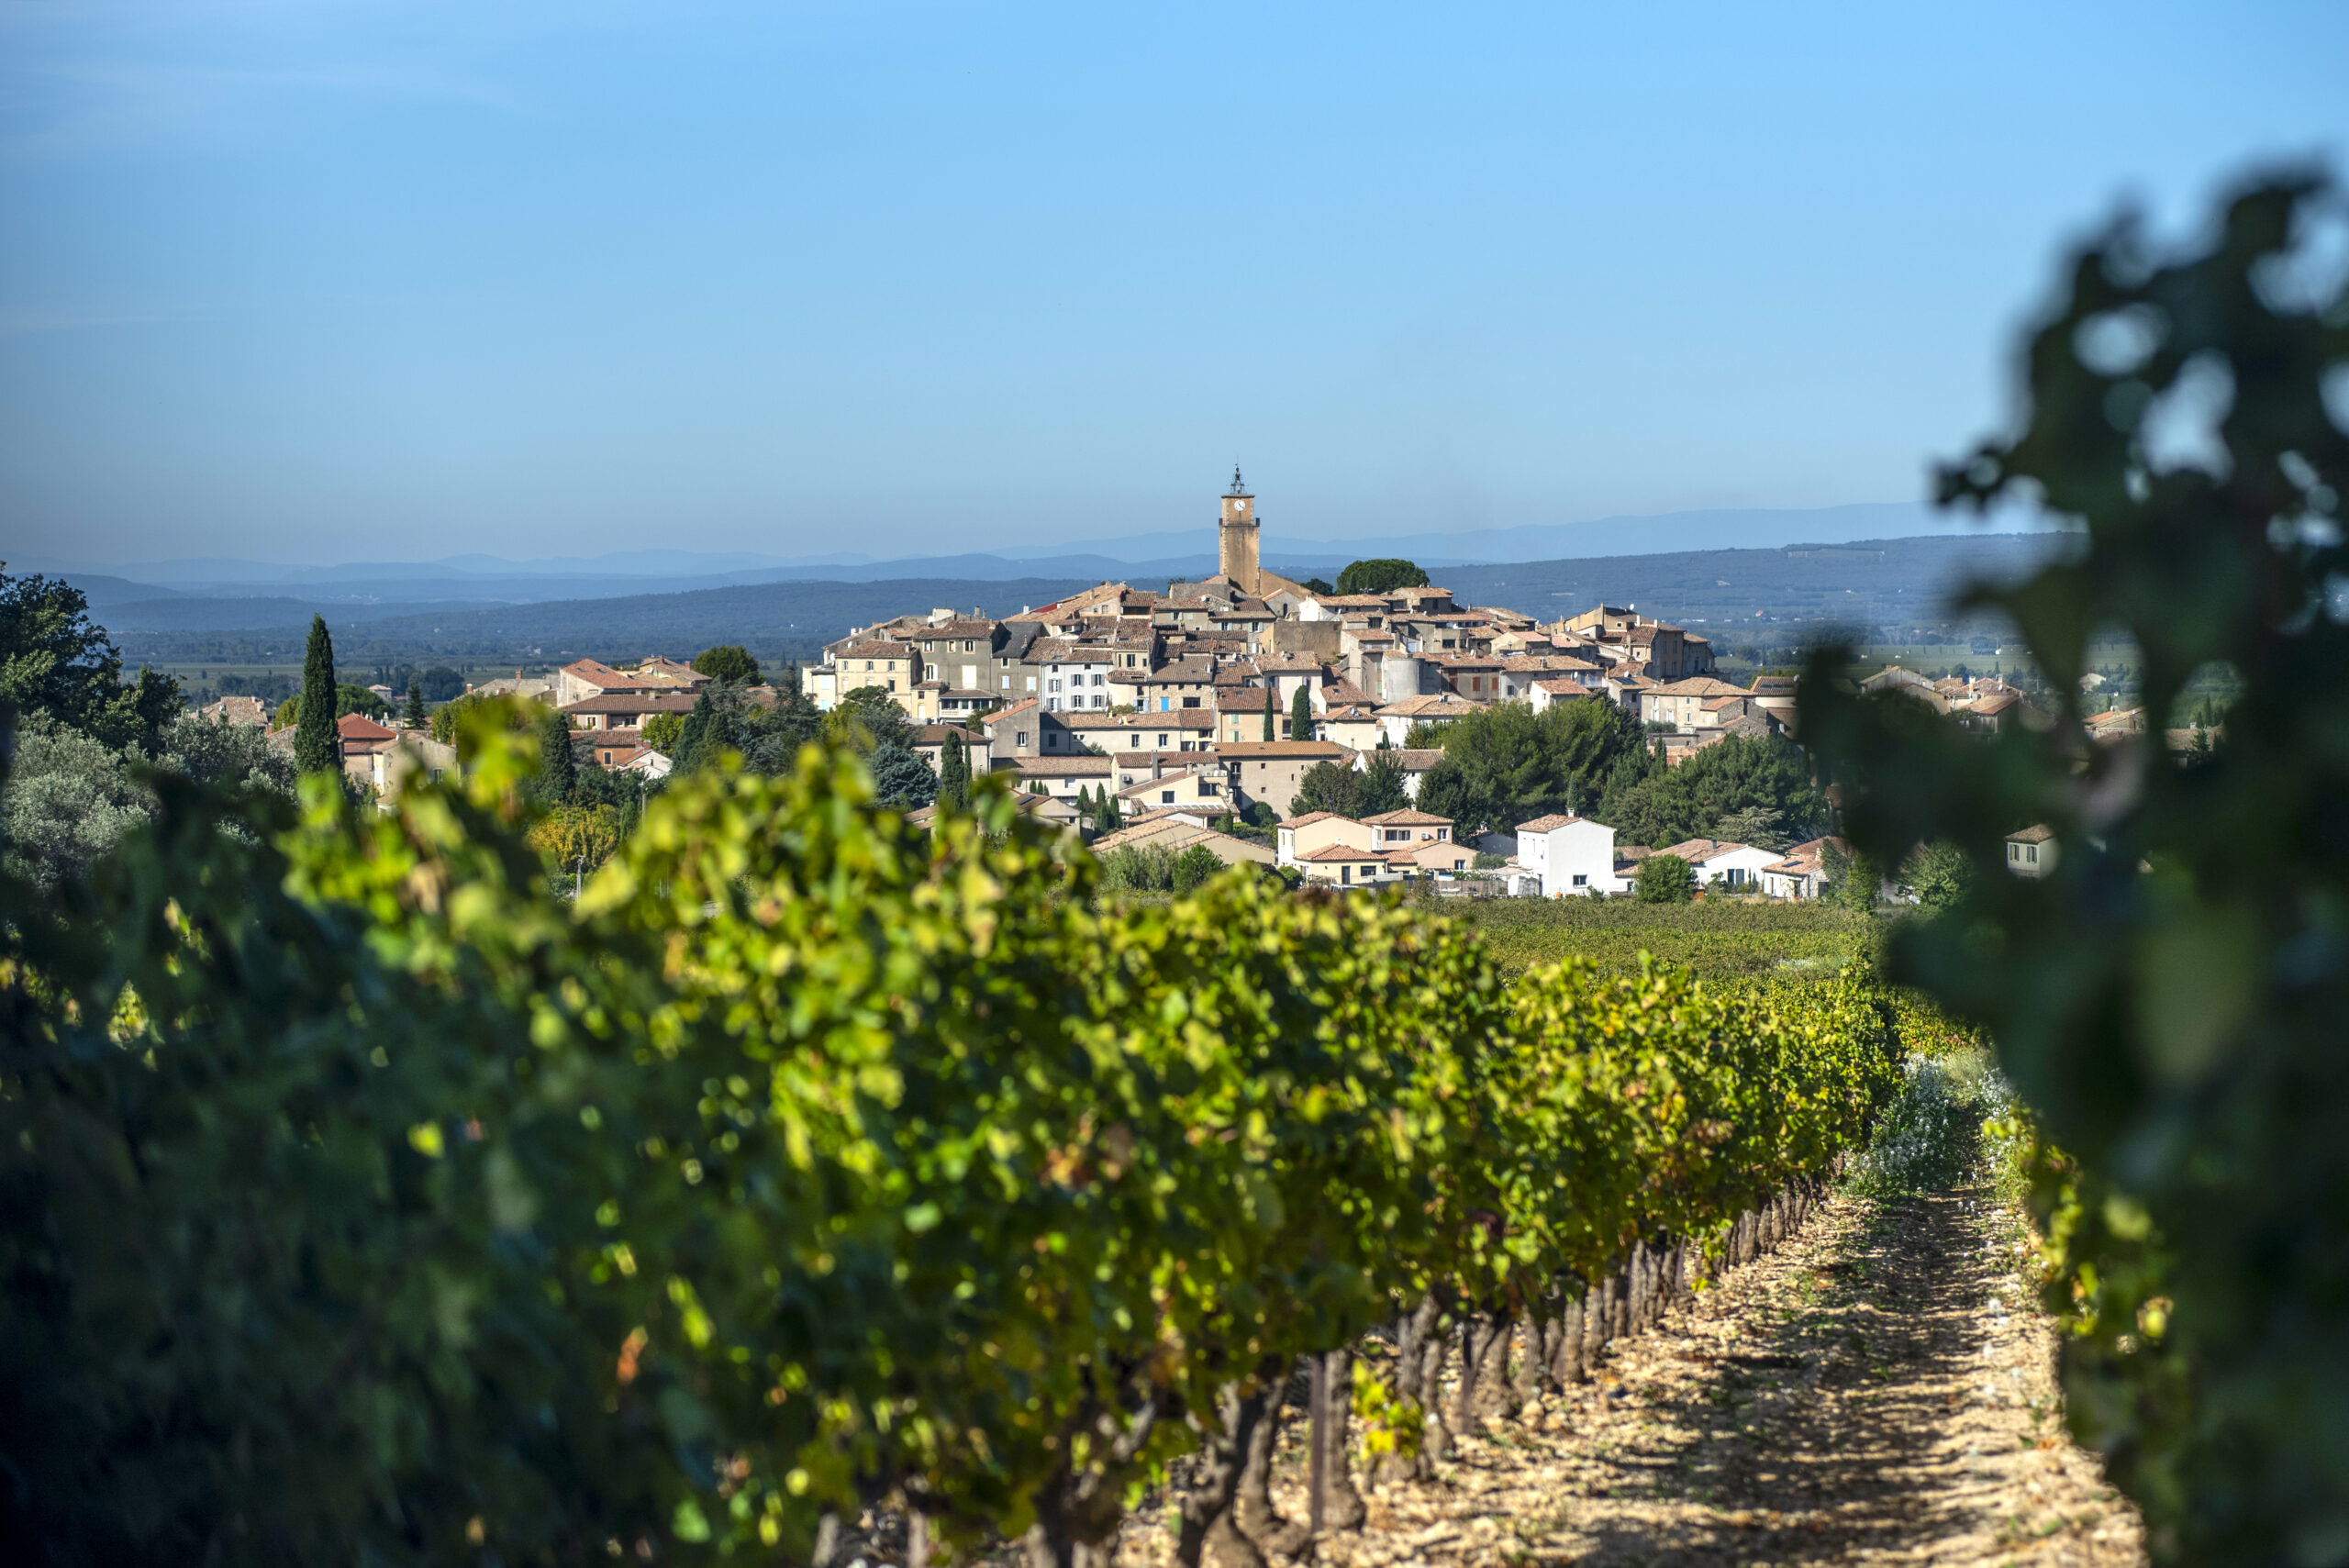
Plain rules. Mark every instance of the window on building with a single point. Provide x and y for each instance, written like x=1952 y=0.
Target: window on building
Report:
x=1166 y=797
x=1581 y=882
x=1019 y=740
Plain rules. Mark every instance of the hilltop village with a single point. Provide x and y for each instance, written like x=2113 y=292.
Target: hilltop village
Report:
x=1246 y=719
x=1210 y=702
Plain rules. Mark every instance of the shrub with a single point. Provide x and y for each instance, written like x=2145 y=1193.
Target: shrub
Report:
x=1665 y=879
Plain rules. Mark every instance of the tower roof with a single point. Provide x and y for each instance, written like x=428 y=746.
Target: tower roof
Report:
x=1238 y=487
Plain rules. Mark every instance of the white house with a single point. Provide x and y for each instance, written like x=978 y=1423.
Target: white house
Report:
x=1801 y=873
x=1071 y=676
x=1574 y=856
x=1736 y=867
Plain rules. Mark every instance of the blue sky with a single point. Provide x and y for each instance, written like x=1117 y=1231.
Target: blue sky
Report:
x=334 y=281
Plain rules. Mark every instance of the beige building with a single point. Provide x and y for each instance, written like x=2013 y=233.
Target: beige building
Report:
x=1171 y=832
x=894 y=667
x=1302 y=837
x=1681 y=703
x=1402 y=829
x=1270 y=771
x=1190 y=786
x=1342 y=865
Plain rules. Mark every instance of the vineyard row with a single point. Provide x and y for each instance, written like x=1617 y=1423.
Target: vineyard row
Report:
x=362 y=1196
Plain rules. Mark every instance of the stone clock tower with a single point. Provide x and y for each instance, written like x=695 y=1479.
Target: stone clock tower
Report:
x=1236 y=554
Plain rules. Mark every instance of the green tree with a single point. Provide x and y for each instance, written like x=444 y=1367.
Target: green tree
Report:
x=702 y=736
x=2158 y=996
x=870 y=717
x=659 y=732
x=954 y=775
x=1381 y=788
x=1192 y=867
x=1938 y=876
x=54 y=659
x=1851 y=881
x=558 y=777
x=1380 y=577
x=442 y=685
x=727 y=661
x=1763 y=784
x=1328 y=786
x=1301 y=715
x=318 y=747
x=1139 y=868
x=1507 y=764
x=1271 y=716
x=1663 y=879
x=69 y=799
x=416 y=718
x=1315 y=585
x=1762 y=827
x=901 y=780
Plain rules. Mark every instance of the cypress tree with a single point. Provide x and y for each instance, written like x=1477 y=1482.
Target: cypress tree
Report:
x=558 y=769
x=318 y=745
x=954 y=775
x=700 y=725
x=1301 y=715
x=1272 y=731
x=414 y=717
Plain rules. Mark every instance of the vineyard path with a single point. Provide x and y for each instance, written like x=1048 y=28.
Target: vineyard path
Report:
x=1879 y=1390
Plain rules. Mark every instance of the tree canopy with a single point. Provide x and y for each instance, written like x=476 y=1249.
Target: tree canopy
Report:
x=1383 y=575
x=1507 y=764
x=901 y=779
x=55 y=660
x=1764 y=786
x=727 y=661
x=1663 y=879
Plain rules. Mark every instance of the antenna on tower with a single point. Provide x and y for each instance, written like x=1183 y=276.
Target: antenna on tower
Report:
x=1237 y=487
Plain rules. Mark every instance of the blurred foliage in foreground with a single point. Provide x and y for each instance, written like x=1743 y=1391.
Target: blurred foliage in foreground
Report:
x=2173 y=1001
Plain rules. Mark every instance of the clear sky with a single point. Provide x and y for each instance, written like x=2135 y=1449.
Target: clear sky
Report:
x=330 y=281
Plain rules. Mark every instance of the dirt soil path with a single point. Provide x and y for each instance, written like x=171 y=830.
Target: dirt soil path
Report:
x=1880 y=1390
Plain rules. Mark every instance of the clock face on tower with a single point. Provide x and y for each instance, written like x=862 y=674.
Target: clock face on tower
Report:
x=1239 y=508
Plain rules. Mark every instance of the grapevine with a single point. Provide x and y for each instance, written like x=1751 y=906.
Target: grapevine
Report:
x=810 y=1161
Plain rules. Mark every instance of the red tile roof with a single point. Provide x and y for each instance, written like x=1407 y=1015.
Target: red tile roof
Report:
x=359 y=726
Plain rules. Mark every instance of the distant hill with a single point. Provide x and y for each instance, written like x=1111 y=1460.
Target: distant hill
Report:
x=1762 y=595
x=779 y=622
x=378 y=590
x=1767 y=598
